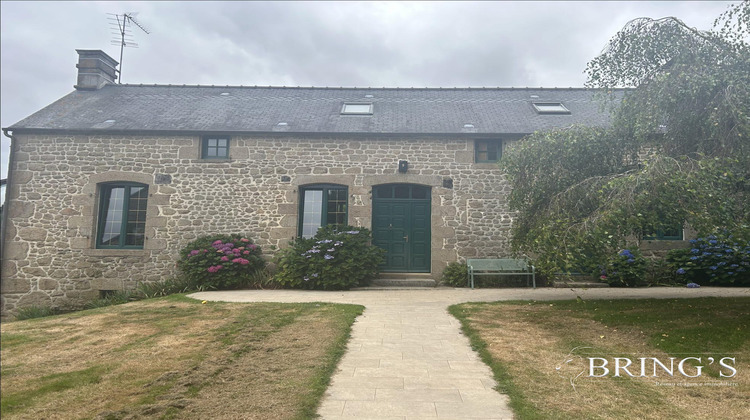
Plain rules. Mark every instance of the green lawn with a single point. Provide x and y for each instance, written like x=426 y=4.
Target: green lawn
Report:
x=540 y=352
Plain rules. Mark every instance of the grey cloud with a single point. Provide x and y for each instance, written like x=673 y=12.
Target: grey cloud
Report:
x=316 y=43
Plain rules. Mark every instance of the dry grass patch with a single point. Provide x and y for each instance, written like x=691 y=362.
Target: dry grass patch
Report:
x=174 y=358
x=531 y=349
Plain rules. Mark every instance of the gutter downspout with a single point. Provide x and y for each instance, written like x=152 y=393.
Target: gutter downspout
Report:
x=6 y=206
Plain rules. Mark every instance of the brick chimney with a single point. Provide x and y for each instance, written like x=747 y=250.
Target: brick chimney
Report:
x=95 y=69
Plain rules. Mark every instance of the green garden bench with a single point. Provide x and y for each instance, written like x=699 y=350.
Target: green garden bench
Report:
x=501 y=267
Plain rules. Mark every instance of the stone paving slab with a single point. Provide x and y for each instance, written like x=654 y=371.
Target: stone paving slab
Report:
x=407 y=358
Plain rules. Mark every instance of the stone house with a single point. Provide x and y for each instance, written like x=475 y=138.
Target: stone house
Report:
x=108 y=183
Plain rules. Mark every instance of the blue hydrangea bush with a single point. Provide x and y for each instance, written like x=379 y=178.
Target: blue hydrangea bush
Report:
x=336 y=258
x=221 y=262
x=626 y=269
x=712 y=260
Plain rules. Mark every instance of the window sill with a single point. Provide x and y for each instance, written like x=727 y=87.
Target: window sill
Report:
x=486 y=165
x=212 y=160
x=663 y=244
x=104 y=252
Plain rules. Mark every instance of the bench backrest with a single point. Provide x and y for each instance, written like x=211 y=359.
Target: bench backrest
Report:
x=497 y=265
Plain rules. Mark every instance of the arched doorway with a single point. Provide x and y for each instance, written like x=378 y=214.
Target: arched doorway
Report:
x=401 y=226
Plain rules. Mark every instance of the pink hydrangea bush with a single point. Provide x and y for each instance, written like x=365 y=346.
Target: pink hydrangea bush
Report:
x=221 y=262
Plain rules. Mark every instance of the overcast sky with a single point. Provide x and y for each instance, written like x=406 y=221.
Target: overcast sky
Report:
x=404 y=44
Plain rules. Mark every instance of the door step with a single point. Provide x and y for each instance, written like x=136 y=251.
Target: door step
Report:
x=400 y=280
x=579 y=284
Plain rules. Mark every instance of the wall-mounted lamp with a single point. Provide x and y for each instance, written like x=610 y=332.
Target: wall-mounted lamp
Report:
x=403 y=166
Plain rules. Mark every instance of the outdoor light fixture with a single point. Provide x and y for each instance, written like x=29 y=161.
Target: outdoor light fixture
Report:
x=403 y=166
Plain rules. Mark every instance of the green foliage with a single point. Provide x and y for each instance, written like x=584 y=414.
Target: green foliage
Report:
x=456 y=274
x=660 y=273
x=35 y=311
x=220 y=262
x=713 y=260
x=116 y=298
x=626 y=269
x=677 y=152
x=55 y=383
x=165 y=287
x=336 y=258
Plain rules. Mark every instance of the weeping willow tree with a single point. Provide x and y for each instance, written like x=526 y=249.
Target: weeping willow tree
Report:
x=676 y=153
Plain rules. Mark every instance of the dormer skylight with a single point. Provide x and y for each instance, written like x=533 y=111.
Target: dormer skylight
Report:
x=357 y=108
x=550 y=108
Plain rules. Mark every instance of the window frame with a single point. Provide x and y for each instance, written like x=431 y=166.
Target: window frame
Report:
x=498 y=145
x=105 y=190
x=562 y=111
x=324 y=204
x=345 y=112
x=660 y=236
x=205 y=147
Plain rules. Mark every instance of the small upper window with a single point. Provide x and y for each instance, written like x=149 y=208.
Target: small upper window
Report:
x=361 y=108
x=215 y=148
x=550 y=108
x=487 y=151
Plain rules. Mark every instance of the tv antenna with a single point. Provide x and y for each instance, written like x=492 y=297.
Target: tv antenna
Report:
x=123 y=36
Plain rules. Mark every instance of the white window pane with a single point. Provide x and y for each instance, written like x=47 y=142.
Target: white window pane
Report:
x=550 y=108
x=312 y=212
x=357 y=109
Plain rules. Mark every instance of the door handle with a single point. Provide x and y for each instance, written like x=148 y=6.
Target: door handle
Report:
x=407 y=238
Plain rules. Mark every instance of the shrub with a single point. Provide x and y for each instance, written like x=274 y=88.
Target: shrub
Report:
x=167 y=287
x=660 y=272
x=263 y=279
x=34 y=311
x=116 y=298
x=713 y=260
x=626 y=269
x=220 y=262
x=456 y=274
x=336 y=258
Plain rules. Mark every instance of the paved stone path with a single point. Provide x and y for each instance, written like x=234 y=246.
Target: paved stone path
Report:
x=407 y=358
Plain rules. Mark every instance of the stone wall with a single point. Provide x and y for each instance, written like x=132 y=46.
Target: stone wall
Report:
x=50 y=254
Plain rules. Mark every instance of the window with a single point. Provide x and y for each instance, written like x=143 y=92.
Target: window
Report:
x=487 y=151
x=405 y=191
x=321 y=205
x=122 y=216
x=215 y=148
x=673 y=233
x=550 y=108
x=359 y=108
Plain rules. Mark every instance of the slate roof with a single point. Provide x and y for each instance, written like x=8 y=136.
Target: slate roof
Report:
x=238 y=109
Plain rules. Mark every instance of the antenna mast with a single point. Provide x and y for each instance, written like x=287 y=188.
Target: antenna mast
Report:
x=123 y=36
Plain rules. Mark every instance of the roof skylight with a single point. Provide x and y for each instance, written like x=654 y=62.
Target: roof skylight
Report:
x=550 y=108
x=357 y=108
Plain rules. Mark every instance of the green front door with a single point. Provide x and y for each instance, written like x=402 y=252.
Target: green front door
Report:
x=401 y=226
